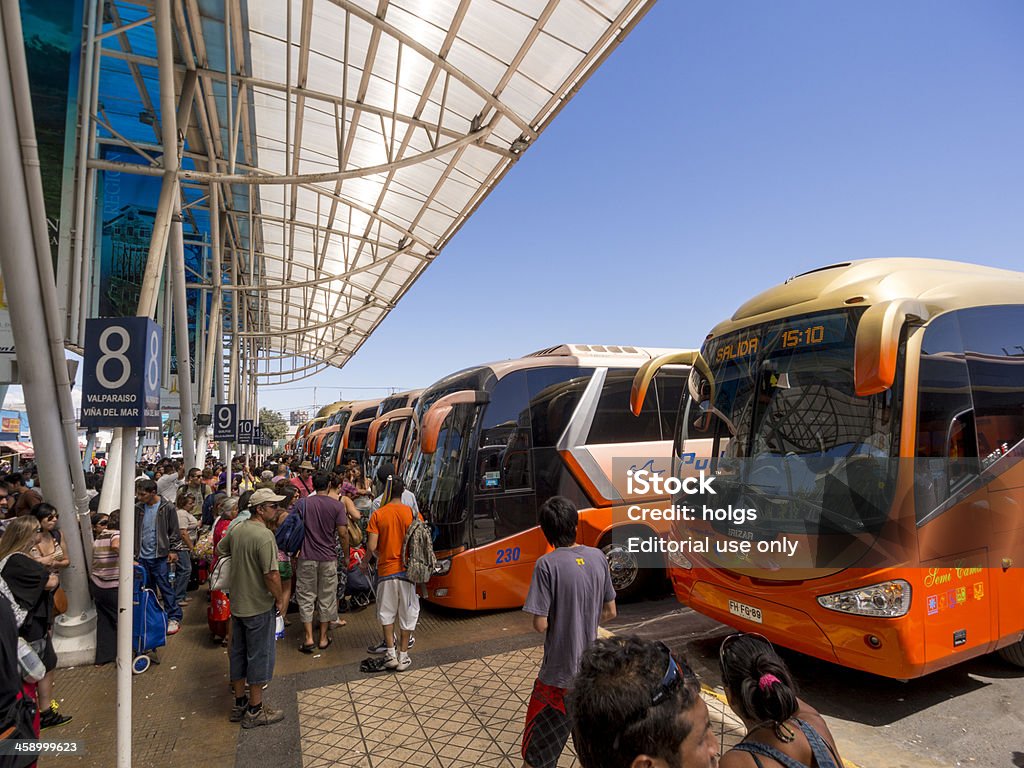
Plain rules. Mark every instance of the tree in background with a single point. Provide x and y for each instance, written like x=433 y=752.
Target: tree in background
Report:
x=274 y=426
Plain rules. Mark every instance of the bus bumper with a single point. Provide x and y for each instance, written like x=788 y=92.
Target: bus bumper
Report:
x=793 y=619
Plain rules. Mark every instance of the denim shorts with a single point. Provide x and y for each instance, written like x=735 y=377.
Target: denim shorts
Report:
x=252 y=648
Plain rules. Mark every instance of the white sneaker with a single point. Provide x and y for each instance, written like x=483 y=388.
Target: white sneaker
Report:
x=391 y=661
x=404 y=662
x=173 y=627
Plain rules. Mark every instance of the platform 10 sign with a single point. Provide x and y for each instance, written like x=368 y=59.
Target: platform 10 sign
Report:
x=121 y=375
x=245 y=431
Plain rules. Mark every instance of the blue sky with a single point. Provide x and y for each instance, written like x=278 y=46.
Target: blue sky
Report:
x=721 y=149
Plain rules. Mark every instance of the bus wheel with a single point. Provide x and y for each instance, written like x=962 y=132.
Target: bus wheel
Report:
x=1013 y=653
x=628 y=578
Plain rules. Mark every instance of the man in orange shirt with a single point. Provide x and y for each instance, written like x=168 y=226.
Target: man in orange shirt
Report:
x=396 y=595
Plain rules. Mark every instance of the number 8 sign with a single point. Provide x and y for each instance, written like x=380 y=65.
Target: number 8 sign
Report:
x=225 y=422
x=121 y=375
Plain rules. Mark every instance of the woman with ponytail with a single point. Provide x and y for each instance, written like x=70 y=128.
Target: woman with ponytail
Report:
x=782 y=730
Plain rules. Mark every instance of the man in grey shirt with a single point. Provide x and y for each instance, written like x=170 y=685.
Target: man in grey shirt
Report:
x=570 y=594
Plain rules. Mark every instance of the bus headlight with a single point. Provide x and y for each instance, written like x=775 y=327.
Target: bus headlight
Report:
x=678 y=559
x=442 y=567
x=890 y=600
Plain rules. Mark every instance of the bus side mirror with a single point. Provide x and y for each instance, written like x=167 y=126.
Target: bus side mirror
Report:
x=371 y=436
x=877 y=345
x=438 y=412
x=645 y=375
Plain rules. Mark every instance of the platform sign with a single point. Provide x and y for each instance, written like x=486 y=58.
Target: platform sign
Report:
x=245 y=431
x=121 y=374
x=225 y=422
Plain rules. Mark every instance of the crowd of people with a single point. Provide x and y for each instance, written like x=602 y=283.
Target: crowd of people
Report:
x=187 y=520
x=288 y=531
x=31 y=559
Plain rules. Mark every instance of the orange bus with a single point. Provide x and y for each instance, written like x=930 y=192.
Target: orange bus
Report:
x=348 y=428
x=871 y=415
x=391 y=433
x=498 y=440
x=302 y=438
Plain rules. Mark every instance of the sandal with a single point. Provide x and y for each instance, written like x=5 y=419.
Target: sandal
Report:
x=373 y=664
x=307 y=648
x=325 y=647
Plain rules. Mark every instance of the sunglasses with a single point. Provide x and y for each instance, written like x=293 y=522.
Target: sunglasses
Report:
x=732 y=638
x=676 y=675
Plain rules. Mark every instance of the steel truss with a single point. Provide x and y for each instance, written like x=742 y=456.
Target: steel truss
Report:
x=334 y=146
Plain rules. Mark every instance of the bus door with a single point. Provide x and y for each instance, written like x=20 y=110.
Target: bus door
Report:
x=993 y=340
x=505 y=532
x=951 y=505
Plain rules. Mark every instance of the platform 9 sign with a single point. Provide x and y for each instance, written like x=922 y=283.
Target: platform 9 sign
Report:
x=245 y=429
x=121 y=374
x=225 y=422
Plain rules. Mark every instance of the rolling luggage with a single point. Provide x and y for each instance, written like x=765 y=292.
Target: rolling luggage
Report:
x=149 y=622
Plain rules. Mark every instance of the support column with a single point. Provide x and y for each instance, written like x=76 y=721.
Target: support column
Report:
x=184 y=355
x=109 y=498
x=215 y=329
x=176 y=262
x=35 y=317
x=126 y=438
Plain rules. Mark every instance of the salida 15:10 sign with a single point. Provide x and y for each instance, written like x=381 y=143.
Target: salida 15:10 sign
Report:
x=121 y=376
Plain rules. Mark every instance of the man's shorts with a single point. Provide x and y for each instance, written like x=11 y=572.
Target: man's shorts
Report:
x=251 y=657
x=397 y=598
x=547 y=726
x=284 y=567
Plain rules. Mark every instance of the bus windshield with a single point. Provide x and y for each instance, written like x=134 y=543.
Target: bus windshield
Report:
x=792 y=438
x=437 y=479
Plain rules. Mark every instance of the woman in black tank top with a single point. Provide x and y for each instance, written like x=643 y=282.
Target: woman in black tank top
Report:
x=781 y=729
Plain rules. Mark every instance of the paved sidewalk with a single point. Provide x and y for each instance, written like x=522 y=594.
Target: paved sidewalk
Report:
x=457 y=715
x=463 y=702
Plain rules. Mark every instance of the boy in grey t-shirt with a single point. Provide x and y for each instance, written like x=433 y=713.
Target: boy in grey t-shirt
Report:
x=570 y=594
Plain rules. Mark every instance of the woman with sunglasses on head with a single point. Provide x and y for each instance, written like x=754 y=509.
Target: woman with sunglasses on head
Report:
x=782 y=730
x=49 y=551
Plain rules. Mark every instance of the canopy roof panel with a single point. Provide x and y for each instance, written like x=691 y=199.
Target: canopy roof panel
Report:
x=356 y=136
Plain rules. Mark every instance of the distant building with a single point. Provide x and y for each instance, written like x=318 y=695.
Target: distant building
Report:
x=126 y=239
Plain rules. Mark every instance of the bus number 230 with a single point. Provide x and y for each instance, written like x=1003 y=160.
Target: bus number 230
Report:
x=507 y=555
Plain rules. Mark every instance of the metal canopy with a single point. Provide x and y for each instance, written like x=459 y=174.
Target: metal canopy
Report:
x=349 y=140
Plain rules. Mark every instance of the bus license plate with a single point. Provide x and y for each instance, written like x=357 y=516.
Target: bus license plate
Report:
x=745 y=611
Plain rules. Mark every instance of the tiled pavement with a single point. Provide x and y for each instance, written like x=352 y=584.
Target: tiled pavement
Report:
x=457 y=715
x=463 y=702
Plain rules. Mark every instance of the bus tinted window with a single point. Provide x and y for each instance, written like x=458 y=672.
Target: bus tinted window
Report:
x=554 y=394
x=947 y=454
x=615 y=423
x=670 y=388
x=994 y=344
x=503 y=459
